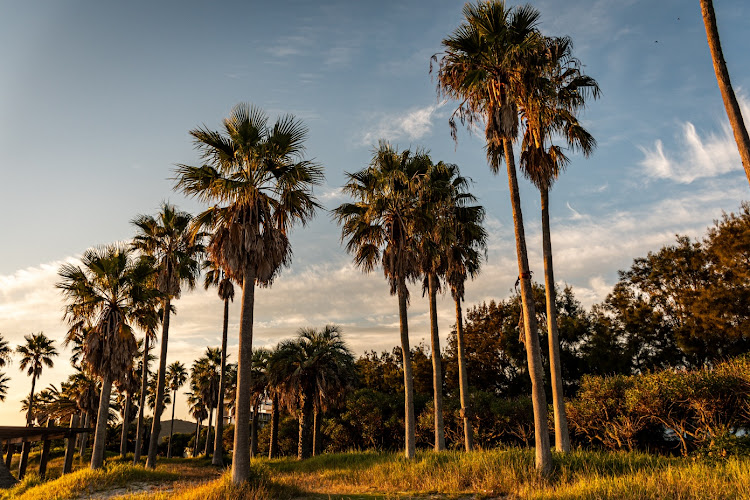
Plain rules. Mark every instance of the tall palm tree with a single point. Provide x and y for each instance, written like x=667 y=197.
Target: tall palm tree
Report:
x=176 y=251
x=261 y=184
x=731 y=105
x=4 y=379
x=145 y=373
x=128 y=387
x=36 y=353
x=197 y=410
x=176 y=377
x=485 y=67
x=313 y=368
x=443 y=191
x=560 y=89
x=379 y=229
x=215 y=276
x=104 y=297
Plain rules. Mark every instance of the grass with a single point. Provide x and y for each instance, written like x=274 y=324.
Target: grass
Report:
x=480 y=474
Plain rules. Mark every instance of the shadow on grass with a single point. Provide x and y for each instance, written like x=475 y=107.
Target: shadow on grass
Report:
x=331 y=461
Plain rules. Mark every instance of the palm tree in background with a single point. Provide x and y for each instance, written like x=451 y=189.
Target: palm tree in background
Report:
x=486 y=68
x=151 y=395
x=206 y=377
x=379 y=228
x=274 y=389
x=4 y=379
x=198 y=411
x=215 y=276
x=261 y=184
x=145 y=375
x=176 y=251
x=312 y=369
x=731 y=105
x=261 y=358
x=105 y=296
x=36 y=353
x=176 y=377
x=128 y=387
x=5 y=352
x=559 y=90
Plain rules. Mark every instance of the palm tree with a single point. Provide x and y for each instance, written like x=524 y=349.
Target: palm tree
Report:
x=104 y=299
x=261 y=184
x=725 y=85
x=274 y=389
x=176 y=377
x=145 y=374
x=35 y=355
x=197 y=410
x=5 y=352
x=4 y=379
x=313 y=369
x=485 y=67
x=559 y=91
x=379 y=228
x=215 y=276
x=206 y=377
x=175 y=250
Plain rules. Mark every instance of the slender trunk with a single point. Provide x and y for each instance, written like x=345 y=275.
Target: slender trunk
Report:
x=85 y=435
x=70 y=446
x=273 y=446
x=241 y=453
x=29 y=412
x=208 y=432
x=562 y=437
x=153 y=443
x=197 y=437
x=171 y=426
x=218 y=458
x=463 y=380
x=305 y=437
x=437 y=365
x=141 y=405
x=409 y=418
x=725 y=85
x=100 y=436
x=533 y=351
x=316 y=432
x=125 y=425
x=254 y=430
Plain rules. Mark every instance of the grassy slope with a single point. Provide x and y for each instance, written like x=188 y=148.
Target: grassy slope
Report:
x=482 y=473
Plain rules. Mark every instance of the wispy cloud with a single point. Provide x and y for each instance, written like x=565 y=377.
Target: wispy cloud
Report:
x=696 y=156
x=414 y=124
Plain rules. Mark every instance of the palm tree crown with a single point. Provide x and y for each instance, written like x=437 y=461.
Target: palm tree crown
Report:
x=36 y=353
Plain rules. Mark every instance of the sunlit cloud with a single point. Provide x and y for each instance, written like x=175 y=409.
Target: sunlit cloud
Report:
x=412 y=125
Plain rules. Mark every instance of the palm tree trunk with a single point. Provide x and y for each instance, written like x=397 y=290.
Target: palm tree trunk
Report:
x=171 y=426
x=218 y=458
x=316 y=433
x=437 y=365
x=273 y=446
x=197 y=437
x=410 y=420
x=254 y=431
x=85 y=435
x=562 y=437
x=141 y=405
x=29 y=412
x=100 y=435
x=241 y=453
x=125 y=425
x=463 y=380
x=725 y=85
x=208 y=431
x=533 y=351
x=160 y=387
x=305 y=437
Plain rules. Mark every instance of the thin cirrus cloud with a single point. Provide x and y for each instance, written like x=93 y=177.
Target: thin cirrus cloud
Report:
x=412 y=125
x=697 y=156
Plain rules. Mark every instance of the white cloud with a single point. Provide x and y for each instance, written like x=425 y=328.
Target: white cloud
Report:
x=698 y=156
x=412 y=125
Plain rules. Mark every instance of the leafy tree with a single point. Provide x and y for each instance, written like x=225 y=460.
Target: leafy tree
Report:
x=105 y=295
x=725 y=85
x=215 y=276
x=176 y=377
x=175 y=250
x=198 y=411
x=379 y=228
x=36 y=353
x=206 y=376
x=260 y=184
x=486 y=67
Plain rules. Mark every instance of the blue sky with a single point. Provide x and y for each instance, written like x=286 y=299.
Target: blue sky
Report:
x=96 y=100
